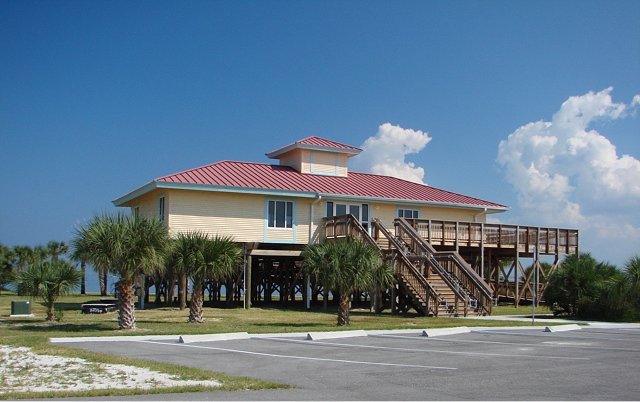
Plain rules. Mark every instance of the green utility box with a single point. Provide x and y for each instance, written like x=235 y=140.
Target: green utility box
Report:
x=20 y=308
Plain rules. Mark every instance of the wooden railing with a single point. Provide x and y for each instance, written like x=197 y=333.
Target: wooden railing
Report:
x=346 y=226
x=454 y=270
x=417 y=283
x=472 y=234
x=468 y=279
x=343 y=226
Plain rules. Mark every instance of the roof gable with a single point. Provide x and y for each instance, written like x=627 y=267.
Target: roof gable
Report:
x=315 y=143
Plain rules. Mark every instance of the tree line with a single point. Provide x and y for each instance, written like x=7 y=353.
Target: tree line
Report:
x=585 y=288
x=130 y=246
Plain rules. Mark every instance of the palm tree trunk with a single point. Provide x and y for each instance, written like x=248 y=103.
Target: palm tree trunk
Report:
x=50 y=315
x=158 y=285
x=83 y=284
x=126 y=310
x=343 y=309
x=102 y=275
x=183 y=291
x=171 y=287
x=195 y=307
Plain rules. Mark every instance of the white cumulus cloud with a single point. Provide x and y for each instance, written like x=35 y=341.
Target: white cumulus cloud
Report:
x=567 y=173
x=385 y=152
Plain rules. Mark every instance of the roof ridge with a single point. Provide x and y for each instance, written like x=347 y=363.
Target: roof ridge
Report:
x=428 y=185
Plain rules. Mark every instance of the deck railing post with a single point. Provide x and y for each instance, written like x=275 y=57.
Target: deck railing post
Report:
x=482 y=251
x=517 y=285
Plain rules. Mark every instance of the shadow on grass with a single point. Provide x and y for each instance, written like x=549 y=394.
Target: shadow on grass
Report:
x=290 y=325
x=66 y=327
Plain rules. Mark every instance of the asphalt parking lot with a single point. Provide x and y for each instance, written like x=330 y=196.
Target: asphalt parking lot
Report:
x=490 y=364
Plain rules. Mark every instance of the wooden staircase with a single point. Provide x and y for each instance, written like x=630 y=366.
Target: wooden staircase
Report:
x=433 y=283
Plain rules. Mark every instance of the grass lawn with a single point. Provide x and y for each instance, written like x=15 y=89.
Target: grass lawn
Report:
x=520 y=310
x=34 y=332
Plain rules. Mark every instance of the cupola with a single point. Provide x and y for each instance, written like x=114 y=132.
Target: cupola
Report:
x=315 y=155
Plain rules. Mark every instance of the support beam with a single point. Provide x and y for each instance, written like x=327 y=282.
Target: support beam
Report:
x=516 y=296
x=248 y=284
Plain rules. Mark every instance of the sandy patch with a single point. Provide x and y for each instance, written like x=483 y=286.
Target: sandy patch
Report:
x=24 y=371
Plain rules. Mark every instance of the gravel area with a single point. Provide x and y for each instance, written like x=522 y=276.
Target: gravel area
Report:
x=21 y=370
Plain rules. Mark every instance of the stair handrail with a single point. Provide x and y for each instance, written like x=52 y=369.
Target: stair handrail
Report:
x=432 y=294
x=428 y=252
x=350 y=222
x=462 y=265
x=470 y=272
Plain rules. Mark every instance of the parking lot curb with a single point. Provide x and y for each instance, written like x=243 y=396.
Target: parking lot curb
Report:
x=373 y=332
x=314 y=336
x=213 y=337
x=562 y=328
x=115 y=338
x=445 y=331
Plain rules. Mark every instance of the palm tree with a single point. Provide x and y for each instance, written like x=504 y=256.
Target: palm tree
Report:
x=128 y=246
x=56 y=248
x=24 y=257
x=628 y=289
x=202 y=258
x=632 y=275
x=7 y=263
x=383 y=277
x=344 y=266
x=48 y=280
x=579 y=287
x=81 y=252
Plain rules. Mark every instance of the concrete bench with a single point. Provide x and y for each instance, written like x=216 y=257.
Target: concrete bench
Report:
x=98 y=308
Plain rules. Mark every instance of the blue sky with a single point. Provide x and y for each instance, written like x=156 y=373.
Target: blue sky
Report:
x=97 y=98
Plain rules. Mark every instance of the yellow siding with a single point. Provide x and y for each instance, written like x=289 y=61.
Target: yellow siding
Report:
x=238 y=215
x=326 y=163
x=242 y=216
x=303 y=217
x=293 y=159
x=304 y=161
x=315 y=162
x=279 y=235
x=148 y=204
x=388 y=212
x=342 y=165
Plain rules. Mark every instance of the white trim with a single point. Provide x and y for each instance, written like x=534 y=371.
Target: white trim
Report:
x=299 y=194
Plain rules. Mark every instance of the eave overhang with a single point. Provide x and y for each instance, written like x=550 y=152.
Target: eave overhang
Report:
x=281 y=151
x=125 y=199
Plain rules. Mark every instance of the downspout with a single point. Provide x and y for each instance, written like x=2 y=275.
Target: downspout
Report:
x=307 y=280
x=483 y=212
x=311 y=217
x=475 y=218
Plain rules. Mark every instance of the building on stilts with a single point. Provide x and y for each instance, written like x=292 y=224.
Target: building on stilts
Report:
x=448 y=259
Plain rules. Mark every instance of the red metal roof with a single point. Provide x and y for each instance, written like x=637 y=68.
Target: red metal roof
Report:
x=322 y=142
x=283 y=178
x=313 y=142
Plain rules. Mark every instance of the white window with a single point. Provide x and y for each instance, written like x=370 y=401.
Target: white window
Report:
x=135 y=212
x=280 y=214
x=359 y=211
x=161 y=209
x=408 y=213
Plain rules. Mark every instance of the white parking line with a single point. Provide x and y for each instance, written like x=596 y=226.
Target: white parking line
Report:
x=427 y=350
x=182 y=345
x=633 y=334
x=555 y=336
x=582 y=345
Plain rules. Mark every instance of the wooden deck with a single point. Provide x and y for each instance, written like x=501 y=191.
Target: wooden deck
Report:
x=524 y=239
x=483 y=258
